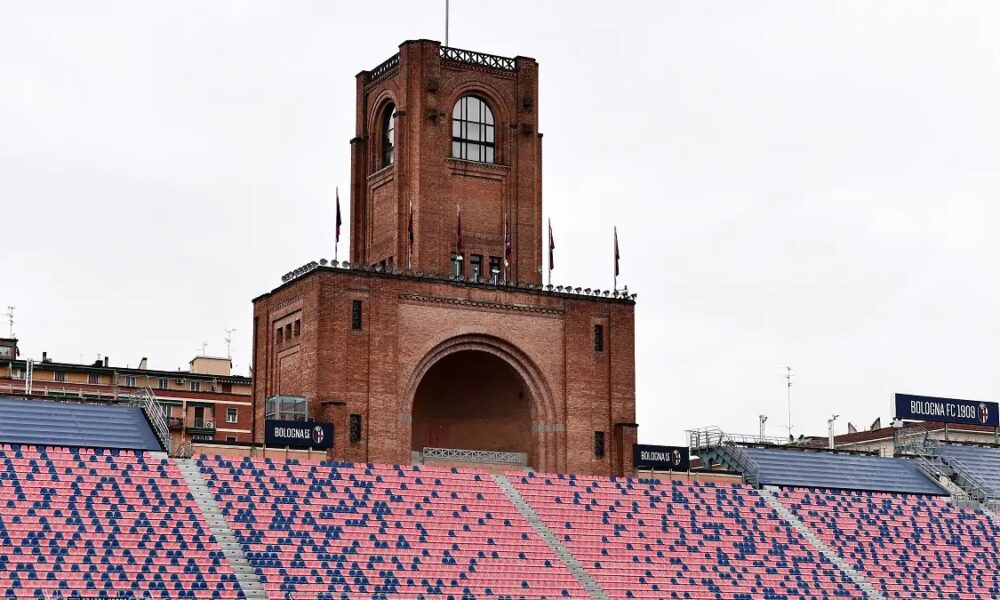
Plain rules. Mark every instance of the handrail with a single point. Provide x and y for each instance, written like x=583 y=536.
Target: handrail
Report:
x=146 y=400
x=980 y=490
x=386 y=66
x=477 y=456
x=479 y=58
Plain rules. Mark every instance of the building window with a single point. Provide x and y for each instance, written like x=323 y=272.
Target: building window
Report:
x=232 y=415
x=355 y=429
x=388 y=135
x=298 y=328
x=288 y=332
x=279 y=335
x=286 y=408
x=598 y=338
x=495 y=269
x=356 y=314
x=473 y=130
x=195 y=386
x=127 y=380
x=476 y=267
x=93 y=378
x=457 y=269
x=230 y=438
x=599 y=444
x=163 y=384
x=59 y=376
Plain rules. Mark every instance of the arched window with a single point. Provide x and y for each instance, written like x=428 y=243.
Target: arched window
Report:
x=473 y=135
x=388 y=134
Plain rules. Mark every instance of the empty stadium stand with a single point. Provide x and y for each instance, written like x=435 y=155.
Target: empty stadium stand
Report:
x=339 y=530
x=652 y=539
x=803 y=468
x=907 y=546
x=28 y=421
x=103 y=523
x=979 y=464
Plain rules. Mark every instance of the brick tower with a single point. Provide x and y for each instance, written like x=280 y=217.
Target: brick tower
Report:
x=430 y=346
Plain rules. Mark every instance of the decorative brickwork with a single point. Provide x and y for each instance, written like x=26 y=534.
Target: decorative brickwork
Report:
x=419 y=359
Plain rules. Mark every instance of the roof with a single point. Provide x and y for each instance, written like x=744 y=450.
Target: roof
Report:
x=47 y=423
x=565 y=292
x=803 y=468
x=82 y=368
x=886 y=432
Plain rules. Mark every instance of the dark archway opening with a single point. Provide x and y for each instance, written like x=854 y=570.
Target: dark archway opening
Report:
x=472 y=400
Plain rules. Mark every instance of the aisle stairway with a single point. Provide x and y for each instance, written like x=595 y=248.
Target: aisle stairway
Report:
x=245 y=573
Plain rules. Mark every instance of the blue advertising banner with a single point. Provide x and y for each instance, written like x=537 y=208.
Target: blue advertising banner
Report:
x=947 y=410
x=298 y=434
x=661 y=458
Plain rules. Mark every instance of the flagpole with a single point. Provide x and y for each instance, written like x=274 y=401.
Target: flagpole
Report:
x=550 y=252
x=336 y=238
x=615 y=250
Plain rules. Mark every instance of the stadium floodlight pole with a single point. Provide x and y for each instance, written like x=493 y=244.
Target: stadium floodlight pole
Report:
x=10 y=320
x=829 y=425
x=763 y=419
x=446 y=7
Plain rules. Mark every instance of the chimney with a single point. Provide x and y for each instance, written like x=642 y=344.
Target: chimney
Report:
x=45 y=356
x=105 y=361
x=142 y=363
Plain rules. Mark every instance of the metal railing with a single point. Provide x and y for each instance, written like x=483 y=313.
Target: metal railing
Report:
x=184 y=451
x=146 y=400
x=714 y=438
x=975 y=485
x=386 y=66
x=476 y=456
x=478 y=58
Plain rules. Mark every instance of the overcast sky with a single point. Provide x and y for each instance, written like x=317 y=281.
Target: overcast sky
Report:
x=813 y=184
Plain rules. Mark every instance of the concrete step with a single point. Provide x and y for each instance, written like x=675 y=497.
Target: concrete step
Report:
x=561 y=552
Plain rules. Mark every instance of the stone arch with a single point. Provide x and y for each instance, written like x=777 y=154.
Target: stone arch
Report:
x=544 y=437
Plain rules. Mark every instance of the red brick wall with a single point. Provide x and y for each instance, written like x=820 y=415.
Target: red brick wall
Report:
x=409 y=324
x=424 y=88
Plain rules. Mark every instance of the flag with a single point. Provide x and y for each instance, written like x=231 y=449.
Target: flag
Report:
x=617 y=254
x=508 y=250
x=459 y=243
x=552 y=248
x=339 y=221
x=409 y=225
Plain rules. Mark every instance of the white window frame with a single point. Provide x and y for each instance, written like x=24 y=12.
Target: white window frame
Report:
x=235 y=412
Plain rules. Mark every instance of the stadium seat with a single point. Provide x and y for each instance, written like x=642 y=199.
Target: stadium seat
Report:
x=103 y=523
x=339 y=530
x=653 y=539
x=907 y=546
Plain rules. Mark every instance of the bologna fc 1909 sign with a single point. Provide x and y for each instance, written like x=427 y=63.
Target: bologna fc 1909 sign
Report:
x=298 y=434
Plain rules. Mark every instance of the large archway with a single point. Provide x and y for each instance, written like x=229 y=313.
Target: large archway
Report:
x=472 y=400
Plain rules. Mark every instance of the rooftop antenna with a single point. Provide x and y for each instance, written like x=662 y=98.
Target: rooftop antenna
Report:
x=788 y=378
x=10 y=320
x=446 y=11
x=229 y=342
x=204 y=347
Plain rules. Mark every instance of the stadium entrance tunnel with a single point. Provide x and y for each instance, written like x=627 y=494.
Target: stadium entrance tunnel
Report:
x=472 y=400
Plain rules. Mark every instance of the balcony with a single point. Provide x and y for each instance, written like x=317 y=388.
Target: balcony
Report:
x=201 y=426
x=175 y=423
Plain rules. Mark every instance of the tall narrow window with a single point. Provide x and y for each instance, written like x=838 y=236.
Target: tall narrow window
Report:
x=355 y=429
x=298 y=327
x=279 y=335
x=388 y=135
x=598 y=338
x=163 y=384
x=599 y=444
x=195 y=386
x=473 y=135
x=59 y=376
x=356 y=314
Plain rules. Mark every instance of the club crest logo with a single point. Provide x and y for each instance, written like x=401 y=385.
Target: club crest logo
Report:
x=984 y=413
x=317 y=435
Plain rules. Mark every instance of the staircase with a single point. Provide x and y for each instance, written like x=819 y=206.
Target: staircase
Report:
x=146 y=400
x=577 y=570
x=786 y=514
x=245 y=573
